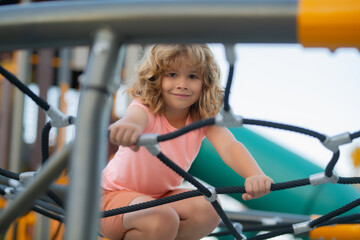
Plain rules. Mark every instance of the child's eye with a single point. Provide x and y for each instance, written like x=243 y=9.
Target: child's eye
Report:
x=172 y=75
x=193 y=76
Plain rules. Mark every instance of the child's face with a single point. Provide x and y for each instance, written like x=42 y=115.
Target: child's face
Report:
x=181 y=86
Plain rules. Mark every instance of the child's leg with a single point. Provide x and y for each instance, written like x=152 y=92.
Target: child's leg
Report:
x=188 y=219
x=112 y=227
x=160 y=223
x=198 y=218
x=156 y=223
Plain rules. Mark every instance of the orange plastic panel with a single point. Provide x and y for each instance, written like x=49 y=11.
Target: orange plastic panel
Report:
x=329 y=23
x=356 y=157
x=338 y=232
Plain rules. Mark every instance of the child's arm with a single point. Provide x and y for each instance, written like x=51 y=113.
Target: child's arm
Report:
x=236 y=156
x=127 y=130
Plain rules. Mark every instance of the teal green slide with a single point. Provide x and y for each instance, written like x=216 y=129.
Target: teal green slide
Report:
x=281 y=165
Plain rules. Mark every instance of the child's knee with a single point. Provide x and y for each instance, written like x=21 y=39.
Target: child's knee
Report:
x=164 y=223
x=205 y=213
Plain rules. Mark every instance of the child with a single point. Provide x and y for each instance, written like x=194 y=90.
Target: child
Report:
x=177 y=85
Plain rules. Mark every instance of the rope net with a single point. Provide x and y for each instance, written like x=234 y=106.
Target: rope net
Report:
x=54 y=208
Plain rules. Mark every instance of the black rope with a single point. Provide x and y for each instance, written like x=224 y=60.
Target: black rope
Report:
x=219 y=190
x=350 y=219
x=318 y=222
x=290 y=184
x=266 y=227
x=9 y=174
x=164 y=159
x=14 y=80
x=274 y=187
x=272 y=234
x=45 y=141
x=353 y=218
x=355 y=135
x=186 y=129
x=48 y=214
x=55 y=198
x=305 y=131
x=334 y=213
x=350 y=180
x=72 y=120
x=228 y=87
x=152 y=203
x=330 y=166
x=49 y=207
x=45 y=156
x=2 y=190
x=202 y=189
x=226 y=220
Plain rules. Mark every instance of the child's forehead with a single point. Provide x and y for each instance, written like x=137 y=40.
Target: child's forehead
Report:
x=184 y=61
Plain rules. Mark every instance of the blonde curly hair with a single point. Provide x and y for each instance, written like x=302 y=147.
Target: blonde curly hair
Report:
x=162 y=57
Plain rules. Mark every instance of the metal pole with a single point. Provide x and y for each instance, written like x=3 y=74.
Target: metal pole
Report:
x=17 y=127
x=5 y=121
x=49 y=173
x=90 y=149
x=66 y=23
x=64 y=84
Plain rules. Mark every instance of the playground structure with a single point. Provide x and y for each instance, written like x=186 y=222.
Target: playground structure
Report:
x=275 y=23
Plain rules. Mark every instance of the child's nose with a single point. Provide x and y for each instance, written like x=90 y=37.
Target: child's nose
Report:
x=182 y=83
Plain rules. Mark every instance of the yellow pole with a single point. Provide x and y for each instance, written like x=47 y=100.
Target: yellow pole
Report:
x=356 y=157
x=329 y=23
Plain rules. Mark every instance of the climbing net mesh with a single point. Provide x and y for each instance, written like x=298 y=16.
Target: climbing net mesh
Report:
x=55 y=209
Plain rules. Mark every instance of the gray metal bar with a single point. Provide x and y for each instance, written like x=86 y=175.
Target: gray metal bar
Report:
x=90 y=150
x=5 y=121
x=59 y=23
x=64 y=72
x=266 y=217
x=49 y=173
x=41 y=228
x=120 y=64
x=16 y=141
x=64 y=83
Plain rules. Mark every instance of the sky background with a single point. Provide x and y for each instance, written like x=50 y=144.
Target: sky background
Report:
x=306 y=87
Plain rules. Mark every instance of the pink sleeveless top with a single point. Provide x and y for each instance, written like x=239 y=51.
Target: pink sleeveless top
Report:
x=144 y=173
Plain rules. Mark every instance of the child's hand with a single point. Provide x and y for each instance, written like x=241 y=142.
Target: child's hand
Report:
x=125 y=134
x=257 y=186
